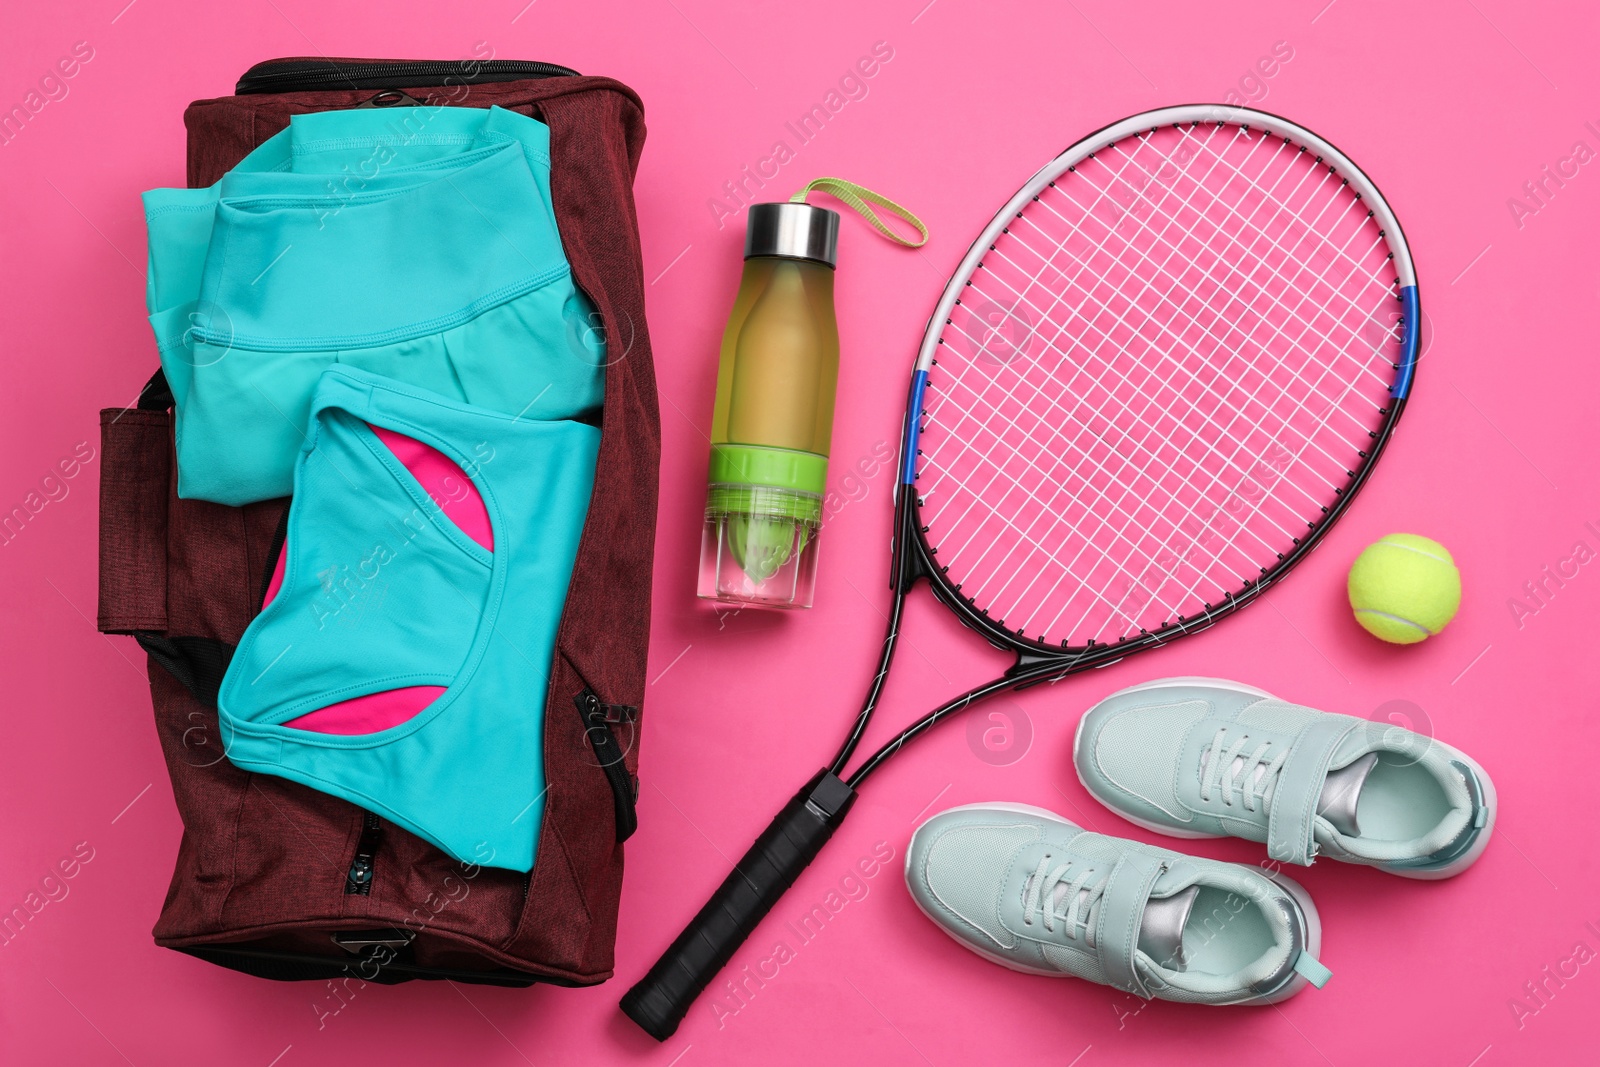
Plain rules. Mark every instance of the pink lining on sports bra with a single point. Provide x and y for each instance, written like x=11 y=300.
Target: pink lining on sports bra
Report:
x=448 y=486
x=445 y=483
x=371 y=713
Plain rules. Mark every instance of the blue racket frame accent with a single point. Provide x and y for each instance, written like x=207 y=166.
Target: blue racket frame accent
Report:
x=1410 y=341
x=908 y=457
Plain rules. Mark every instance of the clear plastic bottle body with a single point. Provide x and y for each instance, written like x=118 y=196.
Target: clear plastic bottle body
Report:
x=771 y=430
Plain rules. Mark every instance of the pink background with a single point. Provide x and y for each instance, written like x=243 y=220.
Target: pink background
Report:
x=1450 y=107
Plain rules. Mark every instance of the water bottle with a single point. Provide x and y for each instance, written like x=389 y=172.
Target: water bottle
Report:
x=773 y=421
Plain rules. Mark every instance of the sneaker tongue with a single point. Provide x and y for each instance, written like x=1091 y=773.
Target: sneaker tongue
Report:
x=1341 y=793
x=1161 y=929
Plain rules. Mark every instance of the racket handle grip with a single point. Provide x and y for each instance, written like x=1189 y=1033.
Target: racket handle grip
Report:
x=786 y=847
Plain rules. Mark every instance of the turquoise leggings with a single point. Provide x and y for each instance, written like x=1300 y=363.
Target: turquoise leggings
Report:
x=419 y=244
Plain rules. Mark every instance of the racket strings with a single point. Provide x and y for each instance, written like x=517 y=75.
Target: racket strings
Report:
x=1308 y=325
x=1227 y=431
x=1298 y=342
x=1112 y=368
x=1128 y=489
x=1035 y=306
x=1283 y=205
x=1143 y=443
x=1341 y=251
x=1192 y=587
x=1025 y=536
x=1104 y=445
x=1208 y=386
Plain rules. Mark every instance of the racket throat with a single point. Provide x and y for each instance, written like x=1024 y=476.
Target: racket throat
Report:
x=1034 y=667
x=1031 y=663
x=910 y=555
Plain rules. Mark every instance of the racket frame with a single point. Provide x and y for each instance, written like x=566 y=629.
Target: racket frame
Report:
x=914 y=556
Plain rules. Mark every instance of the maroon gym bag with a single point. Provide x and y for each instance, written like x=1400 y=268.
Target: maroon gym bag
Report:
x=279 y=880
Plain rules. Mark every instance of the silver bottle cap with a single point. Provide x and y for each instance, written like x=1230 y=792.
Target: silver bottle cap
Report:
x=795 y=231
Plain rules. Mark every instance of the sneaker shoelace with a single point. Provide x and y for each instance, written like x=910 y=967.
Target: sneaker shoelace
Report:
x=1249 y=780
x=1042 y=896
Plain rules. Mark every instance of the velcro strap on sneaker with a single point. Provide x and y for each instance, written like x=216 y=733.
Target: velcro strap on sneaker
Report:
x=1291 y=821
x=1121 y=909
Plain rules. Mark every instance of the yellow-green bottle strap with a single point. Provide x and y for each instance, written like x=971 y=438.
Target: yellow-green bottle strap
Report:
x=861 y=200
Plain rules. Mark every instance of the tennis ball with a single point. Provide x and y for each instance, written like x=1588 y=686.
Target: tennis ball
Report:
x=1404 y=588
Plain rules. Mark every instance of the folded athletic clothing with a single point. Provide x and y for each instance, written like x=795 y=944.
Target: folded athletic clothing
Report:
x=348 y=151
x=402 y=658
x=420 y=247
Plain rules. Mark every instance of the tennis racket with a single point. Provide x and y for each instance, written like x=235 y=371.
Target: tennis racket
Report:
x=1154 y=382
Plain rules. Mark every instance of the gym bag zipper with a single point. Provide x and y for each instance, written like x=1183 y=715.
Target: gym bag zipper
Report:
x=598 y=718
x=358 y=880
x=307 y=75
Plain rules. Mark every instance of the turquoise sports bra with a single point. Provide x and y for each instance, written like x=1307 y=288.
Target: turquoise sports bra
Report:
x=402 y=659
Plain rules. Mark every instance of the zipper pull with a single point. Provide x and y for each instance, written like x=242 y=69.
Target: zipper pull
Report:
x=391 y=98
x=358 y=880
x=598 y=718
x=611 y=714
